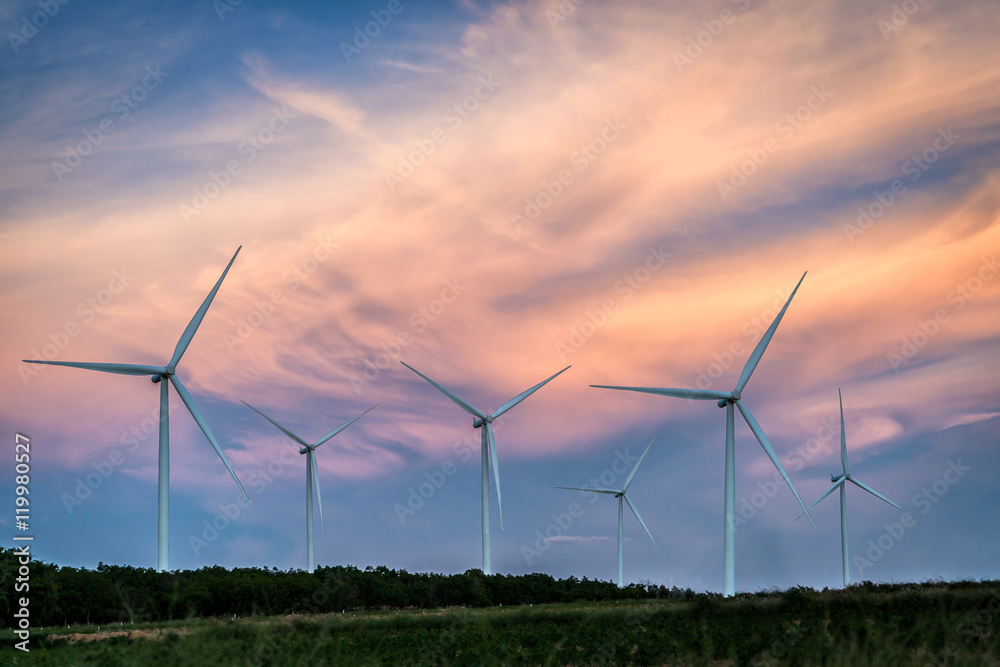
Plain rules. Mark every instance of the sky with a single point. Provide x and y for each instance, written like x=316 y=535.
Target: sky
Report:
x=491 y=192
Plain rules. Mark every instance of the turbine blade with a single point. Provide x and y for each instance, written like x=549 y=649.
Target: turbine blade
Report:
x=455 y=399
x=825 y=494
x=758 y=351
x=525 y=394
x=119 y=369
x=196 y=413
x=843 y=435
x=637 y=464
x=496 y=470
x=643 y=523
x=875 y=493
x=696 y=394
x=762 y=439
x=319 y=496
x=195 y=322
x=278 y=426
x=577 y=488
x=342 y=427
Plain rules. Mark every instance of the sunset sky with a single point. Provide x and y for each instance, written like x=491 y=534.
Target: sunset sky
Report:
x=491 y=192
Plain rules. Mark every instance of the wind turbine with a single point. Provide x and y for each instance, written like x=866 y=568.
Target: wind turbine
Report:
x=840 y=481
x=489 y=451
x=157 y=374
x=312 y=475
x=620 y=495
x=727 y=399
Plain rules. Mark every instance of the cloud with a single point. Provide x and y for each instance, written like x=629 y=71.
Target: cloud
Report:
x=331 y=106
x=970 y=419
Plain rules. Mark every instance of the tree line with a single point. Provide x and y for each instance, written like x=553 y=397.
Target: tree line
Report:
x=126 y=594
x=111 y=594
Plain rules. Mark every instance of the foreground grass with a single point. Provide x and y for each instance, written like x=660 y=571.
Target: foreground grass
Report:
x=938 y=625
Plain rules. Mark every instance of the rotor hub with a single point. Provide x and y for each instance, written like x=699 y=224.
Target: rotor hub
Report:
x=162 y=376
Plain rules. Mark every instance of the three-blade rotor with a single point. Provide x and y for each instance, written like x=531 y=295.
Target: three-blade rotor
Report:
x=622 y=492
x=846 y=476
x=159 y=373
x=485 y=421
x=310 y=449
x=735 y=396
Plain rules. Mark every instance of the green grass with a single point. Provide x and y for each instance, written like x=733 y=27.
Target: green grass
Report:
x=947 y=624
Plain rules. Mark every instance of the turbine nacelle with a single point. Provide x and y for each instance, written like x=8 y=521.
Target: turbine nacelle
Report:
x=156 y=374
x=485 y=421
x=162 y=376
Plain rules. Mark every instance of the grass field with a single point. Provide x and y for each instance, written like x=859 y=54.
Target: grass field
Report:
x=956 y=624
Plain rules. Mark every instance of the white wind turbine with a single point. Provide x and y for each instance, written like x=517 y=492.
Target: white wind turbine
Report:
x=727 y=399
x=840 y=481
x=312 y=475
x=620 y=495
x=157 y=374
x=489 y=452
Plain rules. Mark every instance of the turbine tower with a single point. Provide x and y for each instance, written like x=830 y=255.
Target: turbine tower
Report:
x=159 y=373
x=620 y=495
x=841 y=481
x=489 y=452
x=312 y=475
x=728 y=399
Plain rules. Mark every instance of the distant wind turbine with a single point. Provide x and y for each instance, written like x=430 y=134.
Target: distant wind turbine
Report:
x=840 y=481
x=489 y=452
x=727 y=399
x=157 y=374
x=620 y=495
x=312 y=475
